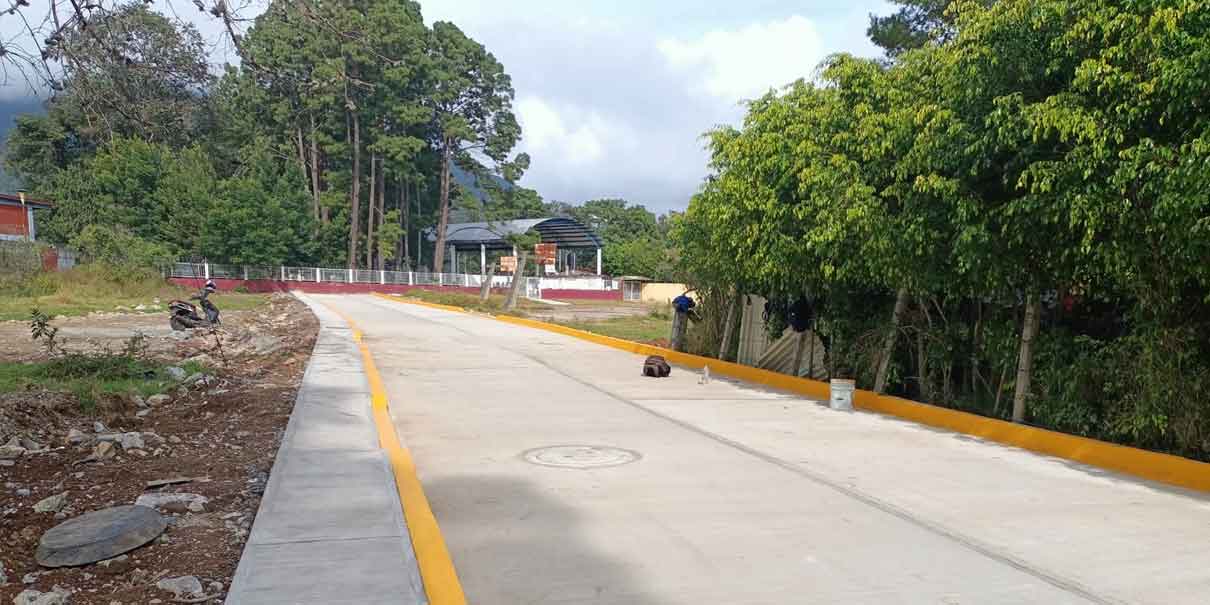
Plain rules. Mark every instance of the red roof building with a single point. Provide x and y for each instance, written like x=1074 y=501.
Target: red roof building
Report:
x=17 y=216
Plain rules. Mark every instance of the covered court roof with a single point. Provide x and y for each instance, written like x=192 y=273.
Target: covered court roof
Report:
x=561 y=231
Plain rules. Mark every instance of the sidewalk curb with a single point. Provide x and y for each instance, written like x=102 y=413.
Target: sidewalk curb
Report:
x=330 y=526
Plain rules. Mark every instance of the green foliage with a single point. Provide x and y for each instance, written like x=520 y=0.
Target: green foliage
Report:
x=118 y=248
x=636 y=243
x=1010 y=149
x=100 y=287
x=91 y=376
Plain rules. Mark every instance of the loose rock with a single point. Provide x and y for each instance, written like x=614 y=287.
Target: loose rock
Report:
x=174 y=502
x=98 y=427
x=76 y=437
x=33 y=597
x=115 y=566
x=131 y=441
x=184 y=586
x=11 y=452
x=158 y=399
x=176 y=372
x=103 y=451
x=52 y=504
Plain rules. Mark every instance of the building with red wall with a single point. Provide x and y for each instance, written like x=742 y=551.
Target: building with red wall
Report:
x=17 y=217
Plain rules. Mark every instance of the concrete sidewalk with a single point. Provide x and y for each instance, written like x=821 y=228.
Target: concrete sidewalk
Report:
x=330 y=527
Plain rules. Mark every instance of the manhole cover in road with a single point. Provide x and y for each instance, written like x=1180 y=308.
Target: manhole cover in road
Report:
x=580 y=456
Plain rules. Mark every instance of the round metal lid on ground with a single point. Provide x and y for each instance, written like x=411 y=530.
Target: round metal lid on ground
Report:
x=580 y=456
x=99 y=535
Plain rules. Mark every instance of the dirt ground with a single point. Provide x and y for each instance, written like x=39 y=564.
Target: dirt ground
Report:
x=588 y=310
x=112 y=330
x=221 y=431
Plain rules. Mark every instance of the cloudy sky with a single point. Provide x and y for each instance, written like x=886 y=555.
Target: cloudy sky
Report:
x=614 y=95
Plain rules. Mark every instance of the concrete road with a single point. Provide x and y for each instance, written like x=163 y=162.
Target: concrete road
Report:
x=741 y=495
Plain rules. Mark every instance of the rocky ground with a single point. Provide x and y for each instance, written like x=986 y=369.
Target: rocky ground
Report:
x=200 y=453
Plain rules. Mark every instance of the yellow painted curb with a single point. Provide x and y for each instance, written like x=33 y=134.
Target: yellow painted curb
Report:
x=1152 y=466
x=432 y=556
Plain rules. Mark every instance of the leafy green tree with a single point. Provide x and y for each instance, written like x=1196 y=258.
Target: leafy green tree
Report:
x=916 y=23
x=471 y=102
x=130 y=72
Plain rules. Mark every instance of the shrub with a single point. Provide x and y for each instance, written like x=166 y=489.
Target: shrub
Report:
x=120 y=249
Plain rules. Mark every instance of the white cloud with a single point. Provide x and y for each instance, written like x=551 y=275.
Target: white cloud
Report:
x=568 y=135
x=745 y=63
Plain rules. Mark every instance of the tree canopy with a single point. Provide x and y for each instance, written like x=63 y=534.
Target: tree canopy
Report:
x=1019 y=167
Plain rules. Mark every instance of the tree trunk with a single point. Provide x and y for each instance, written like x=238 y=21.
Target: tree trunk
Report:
x=888 y=345
x=976 y=345
x=306 y=173
x=811 y=350
x=372 y=207
x=404 y=224
x=728 y=330
x=355 y=191
x=321 y=212
x=510 y=303
x=1025 y=362
x=485 y=290
x=382 y=210
x=922 y=367
x=444 y=212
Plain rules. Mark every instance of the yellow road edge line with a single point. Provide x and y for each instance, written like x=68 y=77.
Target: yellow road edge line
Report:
x=1144 y=464
x=437 y=571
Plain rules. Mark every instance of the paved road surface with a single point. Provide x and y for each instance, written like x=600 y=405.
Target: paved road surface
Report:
x=743 y=495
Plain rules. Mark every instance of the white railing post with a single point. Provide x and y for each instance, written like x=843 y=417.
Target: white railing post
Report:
x=440 y=279
x=317 y=275
x=283 y=272
x=350 y=276
x=206 y=270
x=245 y=267
x=409 y=278
x=382 y=276
x=466 y=280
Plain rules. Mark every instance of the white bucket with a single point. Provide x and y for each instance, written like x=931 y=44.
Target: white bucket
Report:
x=842 y=394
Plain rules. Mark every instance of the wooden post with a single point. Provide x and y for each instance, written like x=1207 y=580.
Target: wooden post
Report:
x=680 y=324
x=728 y=329
x=1025 y=361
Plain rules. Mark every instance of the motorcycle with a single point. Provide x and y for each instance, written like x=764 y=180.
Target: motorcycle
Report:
x=184 y=315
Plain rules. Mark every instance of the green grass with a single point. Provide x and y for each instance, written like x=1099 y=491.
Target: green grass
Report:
x=89 y=288
x=650 y=329
x=494 y=304
x=91 y=378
